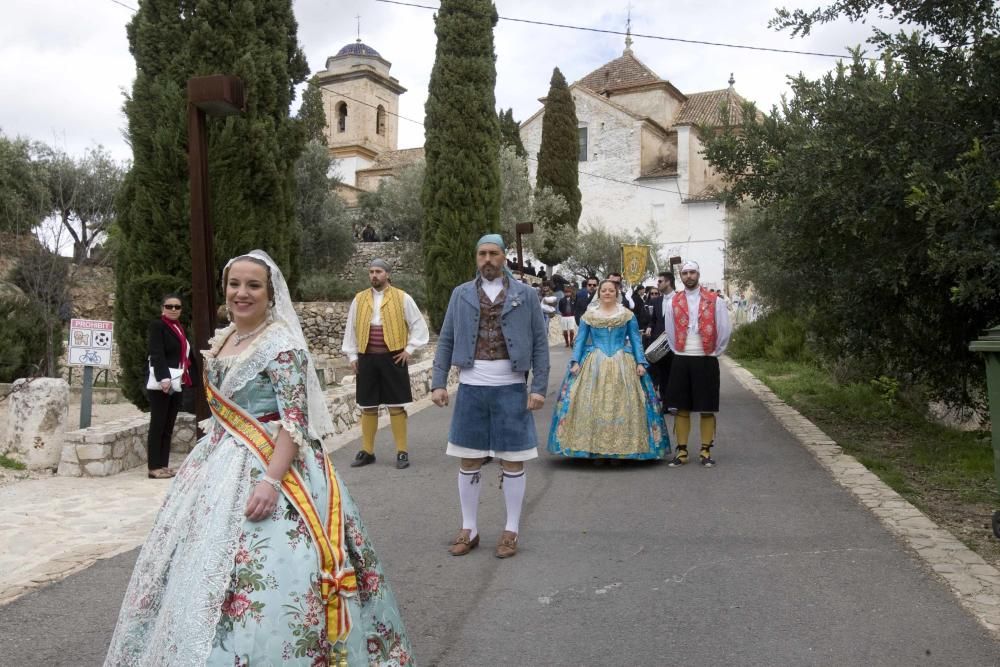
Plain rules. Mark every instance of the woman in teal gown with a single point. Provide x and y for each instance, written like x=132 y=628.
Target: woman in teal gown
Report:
x=607 y=408
x=214 y=583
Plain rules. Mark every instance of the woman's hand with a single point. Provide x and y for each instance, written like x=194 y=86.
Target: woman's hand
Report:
x=263 y=499
x=165 y=385
x=640 y=370
x=574 y=368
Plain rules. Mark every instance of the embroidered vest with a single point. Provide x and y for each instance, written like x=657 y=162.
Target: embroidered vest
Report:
x=490 y=343
x=394 y=329
x=706 y=319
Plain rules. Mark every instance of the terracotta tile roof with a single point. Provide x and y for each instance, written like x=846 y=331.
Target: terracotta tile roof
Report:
x=704 y=108
x=660 y=171
x=708 y=194
x=396 y=159
x=623 y=72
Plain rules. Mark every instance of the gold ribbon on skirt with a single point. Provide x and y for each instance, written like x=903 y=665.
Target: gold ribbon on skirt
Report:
x=337 y=579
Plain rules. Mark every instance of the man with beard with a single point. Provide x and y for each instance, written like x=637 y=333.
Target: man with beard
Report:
x=384 y=327
x=495 y=333
x=698 y=328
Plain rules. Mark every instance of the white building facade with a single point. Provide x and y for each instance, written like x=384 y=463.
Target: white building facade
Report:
x=640 y=164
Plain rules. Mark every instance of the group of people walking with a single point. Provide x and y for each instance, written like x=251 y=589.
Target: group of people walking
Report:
x=613 y=401
x=259 y=555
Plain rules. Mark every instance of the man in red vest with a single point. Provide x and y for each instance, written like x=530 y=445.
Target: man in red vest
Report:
x=697 y=325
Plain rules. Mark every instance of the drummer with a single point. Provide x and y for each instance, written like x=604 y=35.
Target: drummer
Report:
x=660 y=371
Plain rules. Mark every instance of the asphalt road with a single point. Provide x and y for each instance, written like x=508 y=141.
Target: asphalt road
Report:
x=762 y=560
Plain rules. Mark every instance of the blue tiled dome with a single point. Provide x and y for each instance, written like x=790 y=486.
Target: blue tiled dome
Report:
x=358 y=48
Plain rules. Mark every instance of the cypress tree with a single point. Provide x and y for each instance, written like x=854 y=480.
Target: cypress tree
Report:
x=311 y=114
x=510 y=132
x=461 y=193
x=559 y=152
x=251 y=156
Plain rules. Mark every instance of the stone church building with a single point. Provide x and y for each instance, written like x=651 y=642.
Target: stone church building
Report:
x=361 y=102
x=640 y=160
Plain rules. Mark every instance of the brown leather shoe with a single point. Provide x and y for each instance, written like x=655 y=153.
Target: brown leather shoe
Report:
x=507 y=546
x=462 y=545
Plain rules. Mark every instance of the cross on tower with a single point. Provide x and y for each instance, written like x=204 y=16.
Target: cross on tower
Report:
x=628 y=29
x=358 y=17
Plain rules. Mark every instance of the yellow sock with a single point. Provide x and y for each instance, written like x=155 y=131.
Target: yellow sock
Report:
x=369 y=424
x=397 y=420
x=707 y=428
x=682 y=427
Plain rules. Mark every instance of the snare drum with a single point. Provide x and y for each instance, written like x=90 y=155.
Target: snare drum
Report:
x=658 y=348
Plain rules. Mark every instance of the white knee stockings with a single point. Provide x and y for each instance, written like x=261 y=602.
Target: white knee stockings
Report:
x=469 y=488
x=468 y=493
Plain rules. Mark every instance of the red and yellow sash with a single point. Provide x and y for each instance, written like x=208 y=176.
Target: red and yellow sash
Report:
x=337 y=579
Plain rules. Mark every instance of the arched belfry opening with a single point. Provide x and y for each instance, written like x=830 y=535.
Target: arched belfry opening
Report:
x=342 y=117
x=380 y=120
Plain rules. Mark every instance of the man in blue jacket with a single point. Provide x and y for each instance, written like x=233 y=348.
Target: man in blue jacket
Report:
x=494 y=331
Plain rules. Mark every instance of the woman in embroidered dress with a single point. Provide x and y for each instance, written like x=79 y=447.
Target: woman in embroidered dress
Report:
x=258 y=555
x=607 y=408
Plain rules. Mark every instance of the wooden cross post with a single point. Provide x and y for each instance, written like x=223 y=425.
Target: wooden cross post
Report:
x=216 y=95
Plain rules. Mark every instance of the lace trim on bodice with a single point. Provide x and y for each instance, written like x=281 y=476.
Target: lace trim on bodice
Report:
x=594 y=319
x=241 y=368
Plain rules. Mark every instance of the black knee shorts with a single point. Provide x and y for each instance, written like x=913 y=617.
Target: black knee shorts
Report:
x=694 y=384
x=381 y=381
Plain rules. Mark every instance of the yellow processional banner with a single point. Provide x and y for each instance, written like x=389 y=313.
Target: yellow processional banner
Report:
x=634 y=262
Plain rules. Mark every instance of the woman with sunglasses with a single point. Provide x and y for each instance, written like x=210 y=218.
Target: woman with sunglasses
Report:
x=169 y=347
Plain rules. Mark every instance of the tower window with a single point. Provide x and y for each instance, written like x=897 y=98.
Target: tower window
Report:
x=342 y=117
x=582 y=157
x=380 y=120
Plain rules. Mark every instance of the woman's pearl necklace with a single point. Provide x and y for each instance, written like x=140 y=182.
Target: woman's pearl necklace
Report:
x=242 y=337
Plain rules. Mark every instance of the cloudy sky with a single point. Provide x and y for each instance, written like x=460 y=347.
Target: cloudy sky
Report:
x=66 y=63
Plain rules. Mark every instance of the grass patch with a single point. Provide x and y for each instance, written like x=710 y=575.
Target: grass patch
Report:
x=947 y=473
x=7 y=462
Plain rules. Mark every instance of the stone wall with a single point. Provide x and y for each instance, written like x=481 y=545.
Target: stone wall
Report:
x=93 y=292
x=323 y=326
x=402 y=256
x=115 y=446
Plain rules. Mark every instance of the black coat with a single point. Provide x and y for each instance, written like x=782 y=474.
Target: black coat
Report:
x=657 y=324
x=165 y=352
x=583 y=299
x=641 y=314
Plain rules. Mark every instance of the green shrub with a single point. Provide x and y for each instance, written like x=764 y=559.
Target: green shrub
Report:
x=414 y=286
x=321 y=286
x=777 y=336
x=22 y=340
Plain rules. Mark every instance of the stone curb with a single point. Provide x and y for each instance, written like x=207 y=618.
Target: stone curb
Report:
x=974 y=582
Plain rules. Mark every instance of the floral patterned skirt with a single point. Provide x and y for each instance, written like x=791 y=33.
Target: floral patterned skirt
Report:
x=216 y=589
x=607 y=411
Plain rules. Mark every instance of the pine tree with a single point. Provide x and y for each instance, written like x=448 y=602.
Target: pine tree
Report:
x=510 y=132
x=251 y=156
x=461 y=193
x=558 y=155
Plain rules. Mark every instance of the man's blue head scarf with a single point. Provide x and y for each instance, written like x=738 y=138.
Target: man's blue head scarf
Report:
x=496 y=240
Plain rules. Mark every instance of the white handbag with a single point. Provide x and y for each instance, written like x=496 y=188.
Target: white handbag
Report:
x=175 y=379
